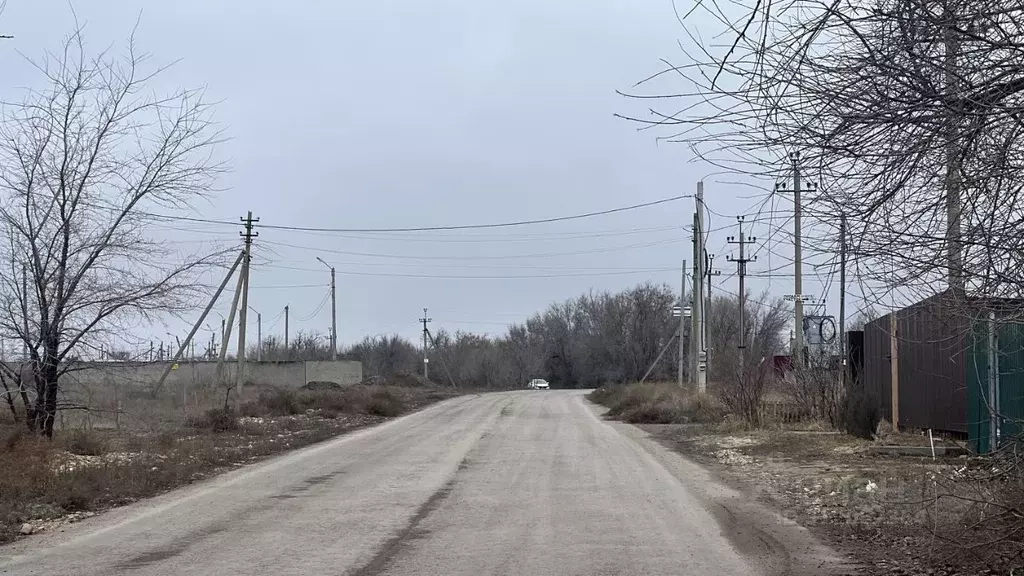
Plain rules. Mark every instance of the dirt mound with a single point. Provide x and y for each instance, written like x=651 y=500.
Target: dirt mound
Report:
x=322 y=385
x=402 y=380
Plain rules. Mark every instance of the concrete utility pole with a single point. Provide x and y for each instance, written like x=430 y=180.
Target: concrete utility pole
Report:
x=202 y=317
x=227 y=324
x=710 y=271
x=842 y=299
x=334 y=312
x=287 y=350
x=426 y=361
x=798 y=354
x=954 y=243
x=247 y=235
x=698 y=348
x=681 y=371
x=259 y=335
x=24 y=310
x=741 y=271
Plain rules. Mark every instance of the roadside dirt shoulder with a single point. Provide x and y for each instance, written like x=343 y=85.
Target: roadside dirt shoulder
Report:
x=779 y=544
x=868 y=507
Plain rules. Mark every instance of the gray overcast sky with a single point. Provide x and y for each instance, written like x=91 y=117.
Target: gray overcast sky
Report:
x=404 y=113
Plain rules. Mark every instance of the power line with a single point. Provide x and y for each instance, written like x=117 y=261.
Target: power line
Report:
x=439 y=228
x=498 y=257
x=505 y=277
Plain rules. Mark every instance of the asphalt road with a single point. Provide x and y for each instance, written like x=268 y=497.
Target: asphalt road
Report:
x=522 y=483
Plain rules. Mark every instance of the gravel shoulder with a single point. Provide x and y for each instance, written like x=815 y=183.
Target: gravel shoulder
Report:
x=867 y=506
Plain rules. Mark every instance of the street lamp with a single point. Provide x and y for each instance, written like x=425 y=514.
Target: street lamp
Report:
x=334 y=312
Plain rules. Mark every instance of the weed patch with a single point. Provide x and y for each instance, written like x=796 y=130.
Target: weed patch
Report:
x=657 y=403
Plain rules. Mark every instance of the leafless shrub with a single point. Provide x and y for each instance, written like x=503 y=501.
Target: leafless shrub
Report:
x=744 y=393
x=978 y=510
x=817 y=390
x=216 y=420
x=657 y=403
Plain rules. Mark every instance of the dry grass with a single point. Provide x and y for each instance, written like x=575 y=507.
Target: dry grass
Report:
x=657 y=403
x=87 y=469
x=896 y=514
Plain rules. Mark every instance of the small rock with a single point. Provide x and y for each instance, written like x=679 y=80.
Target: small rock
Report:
x=26 y=529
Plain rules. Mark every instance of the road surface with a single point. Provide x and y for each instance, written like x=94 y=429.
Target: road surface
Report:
x=521 y=483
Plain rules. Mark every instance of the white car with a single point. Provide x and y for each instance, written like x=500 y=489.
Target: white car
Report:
x=538 y=384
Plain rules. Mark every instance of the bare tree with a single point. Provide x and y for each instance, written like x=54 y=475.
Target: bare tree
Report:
x=385 y=355
x=84 y=162
x=765 y=322
x=907 y=113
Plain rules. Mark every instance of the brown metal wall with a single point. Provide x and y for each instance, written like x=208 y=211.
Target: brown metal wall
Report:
x=931 y=348
x=876 y=364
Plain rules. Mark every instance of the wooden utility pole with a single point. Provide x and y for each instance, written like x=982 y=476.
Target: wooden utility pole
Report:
x=247 y=236
x=426 y=360
x=741 y=271
x=287 y=350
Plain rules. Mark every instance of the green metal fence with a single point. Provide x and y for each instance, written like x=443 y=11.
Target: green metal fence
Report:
x=1008 y=401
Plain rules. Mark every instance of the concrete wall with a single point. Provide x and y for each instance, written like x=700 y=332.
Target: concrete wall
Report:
x=198 y=374
x=342 y=372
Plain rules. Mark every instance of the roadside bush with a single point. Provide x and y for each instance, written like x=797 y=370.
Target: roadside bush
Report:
x=329 y=403
x=84 y=442
x=276 y=403
x=656 y=403
x=384 y=403
x=217 y=420
x=859 y=414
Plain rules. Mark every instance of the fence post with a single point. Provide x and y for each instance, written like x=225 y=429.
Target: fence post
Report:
x=993 y=385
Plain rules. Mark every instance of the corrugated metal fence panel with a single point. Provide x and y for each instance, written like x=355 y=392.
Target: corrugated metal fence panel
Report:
x=877 y=375
x=931 y=348
x=1010 y=343
x=1011 y=380
x=977 y=408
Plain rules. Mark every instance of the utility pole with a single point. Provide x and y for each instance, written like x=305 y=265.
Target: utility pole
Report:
x=697 y=346
x=741 y=271
x=247 y=235
x=287 y=350
x=24 y=310
x=708 y=273
x=334 y=312
x=681 y=371
x=798 y=355
x=426 y=361
x=195 y=327
x=954 y=243
x=710 y=258
x=842 y=299
x=259 y=334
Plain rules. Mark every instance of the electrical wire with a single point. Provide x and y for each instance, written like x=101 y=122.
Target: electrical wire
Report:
x=504 y=277
x=437 y=228
x=319 y=307
x=498 y=257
